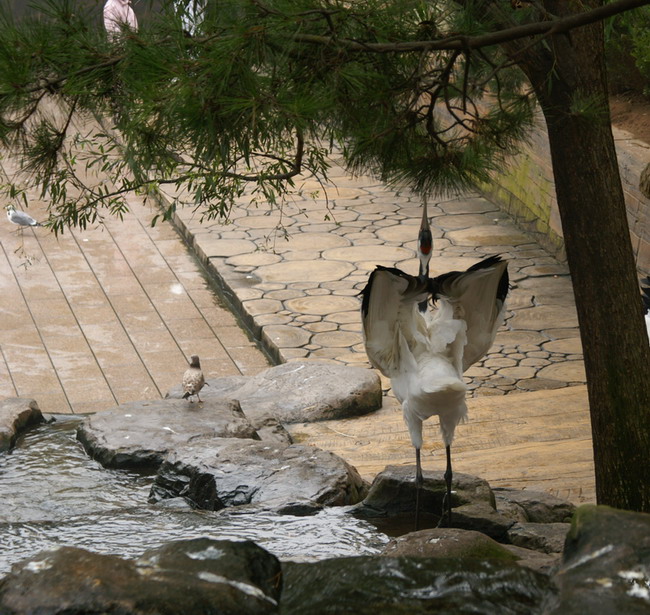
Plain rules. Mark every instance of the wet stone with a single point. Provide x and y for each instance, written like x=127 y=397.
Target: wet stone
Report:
x=180 y=577
x=141 y=434
x=546 y=537
x=301 y=391
x=17 y=414
x=413 y=585
x=605 y=564
x=391 y=502
x=235 y=473
x=448 y=543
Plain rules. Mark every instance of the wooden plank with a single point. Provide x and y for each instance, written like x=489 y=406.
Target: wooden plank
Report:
x=538 y=441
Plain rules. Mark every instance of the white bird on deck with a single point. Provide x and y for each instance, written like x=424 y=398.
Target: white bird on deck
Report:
x=20 y=218
x=193 y=380
x=425 y=352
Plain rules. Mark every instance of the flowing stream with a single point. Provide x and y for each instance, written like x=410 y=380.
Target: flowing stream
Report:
x=54 y=494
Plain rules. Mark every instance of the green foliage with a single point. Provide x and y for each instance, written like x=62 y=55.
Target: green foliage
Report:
x=627 y=47
x=259 y=95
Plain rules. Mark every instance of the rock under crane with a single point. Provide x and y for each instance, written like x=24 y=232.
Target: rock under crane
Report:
x=425 y=351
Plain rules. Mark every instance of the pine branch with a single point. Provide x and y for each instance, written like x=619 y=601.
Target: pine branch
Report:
x=461 y=42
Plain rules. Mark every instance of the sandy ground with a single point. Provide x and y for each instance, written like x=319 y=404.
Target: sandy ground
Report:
x=632 y=113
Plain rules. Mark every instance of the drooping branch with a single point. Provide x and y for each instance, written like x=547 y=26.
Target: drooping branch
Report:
x=462 y=43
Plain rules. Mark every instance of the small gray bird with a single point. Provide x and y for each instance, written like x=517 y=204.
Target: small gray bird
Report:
x=193 y=380
x=20 y=218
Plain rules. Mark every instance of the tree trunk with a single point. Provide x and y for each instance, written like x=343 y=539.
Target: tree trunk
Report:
x=571 y=87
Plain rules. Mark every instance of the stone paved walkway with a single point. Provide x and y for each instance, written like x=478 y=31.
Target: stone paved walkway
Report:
x=299 y=292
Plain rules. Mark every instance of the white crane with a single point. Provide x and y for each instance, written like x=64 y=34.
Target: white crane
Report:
x=425 y=352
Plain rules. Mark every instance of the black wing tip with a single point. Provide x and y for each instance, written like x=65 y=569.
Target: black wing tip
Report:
x=367 y=289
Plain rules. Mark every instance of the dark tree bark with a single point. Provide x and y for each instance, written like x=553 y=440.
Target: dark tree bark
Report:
x=569 y=79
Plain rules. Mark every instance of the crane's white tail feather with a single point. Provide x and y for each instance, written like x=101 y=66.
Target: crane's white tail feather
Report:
x=478 y=297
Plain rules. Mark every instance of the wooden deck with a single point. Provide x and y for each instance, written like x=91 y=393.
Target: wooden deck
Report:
x=538 y=441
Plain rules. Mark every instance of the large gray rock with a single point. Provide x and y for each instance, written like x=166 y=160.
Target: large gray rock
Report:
x=237 y=472
x=413 y=586
x=199 y=576
x=448 y=543
x=300 y=391
x=140 y=434
x=16 y=415
x=533 y=506
x=390 y=503
x=606 y=564
x=544 y=537
x=546 y=563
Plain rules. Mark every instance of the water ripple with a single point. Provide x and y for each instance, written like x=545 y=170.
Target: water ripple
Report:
x=54 y=494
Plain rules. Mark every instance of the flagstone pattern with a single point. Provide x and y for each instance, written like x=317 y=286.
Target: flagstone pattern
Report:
x=295 y=275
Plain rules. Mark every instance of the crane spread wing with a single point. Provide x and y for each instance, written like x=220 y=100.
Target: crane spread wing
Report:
x=387 y=316
x=420 y=352
x=478 y=297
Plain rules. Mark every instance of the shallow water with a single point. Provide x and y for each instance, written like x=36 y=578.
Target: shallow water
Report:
x=54 y=494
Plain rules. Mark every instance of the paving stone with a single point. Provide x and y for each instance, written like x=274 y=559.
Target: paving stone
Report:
x=544 y=316
x=320 y=326
x=498 y=362
x=312 y=241
x=345 y=317
x=534 y=362
x=304 y=271
x=568 y=371
x=571 y=345
x=517 y=373
x=323 y=305
x=366 y=253
x=262 y=306
x=272 y=319
x=286 y=336
x=337 y=339
x=254 y=259
x=226 y=247
x=488 y=236
x=461 y=221
x=308 y=318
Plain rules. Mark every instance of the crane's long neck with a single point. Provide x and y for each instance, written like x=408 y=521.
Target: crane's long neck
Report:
x=425 y=242
x=425 y=245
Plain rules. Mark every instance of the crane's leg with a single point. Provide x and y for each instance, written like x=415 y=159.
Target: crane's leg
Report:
x=419 y=480
x=446 y=502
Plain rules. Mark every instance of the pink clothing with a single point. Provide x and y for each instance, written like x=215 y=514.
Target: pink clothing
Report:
x=118 y=13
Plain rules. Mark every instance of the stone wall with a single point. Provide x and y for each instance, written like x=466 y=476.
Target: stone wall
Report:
x=527 y=192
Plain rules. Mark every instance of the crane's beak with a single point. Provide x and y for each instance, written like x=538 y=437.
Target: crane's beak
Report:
x=425 y=241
